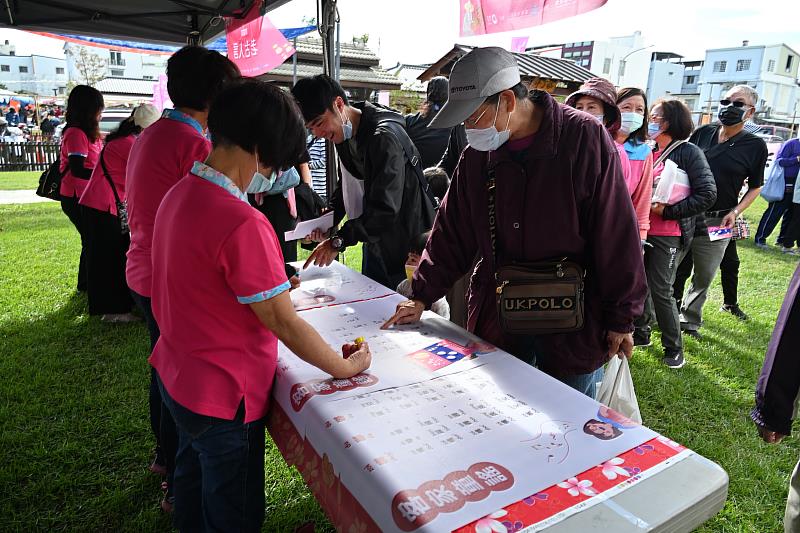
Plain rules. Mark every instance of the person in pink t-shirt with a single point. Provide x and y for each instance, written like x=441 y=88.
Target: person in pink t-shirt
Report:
x=632 y=134
x=162 y=155
x=107 y=237
x=80 y=146
x=221 y=298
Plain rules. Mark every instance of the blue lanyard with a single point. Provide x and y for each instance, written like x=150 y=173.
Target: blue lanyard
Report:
x=174 y=114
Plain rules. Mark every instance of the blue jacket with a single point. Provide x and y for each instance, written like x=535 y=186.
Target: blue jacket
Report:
x=787 y=158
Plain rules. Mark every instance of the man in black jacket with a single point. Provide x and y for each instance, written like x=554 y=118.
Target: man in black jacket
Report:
x=378 y=189
x=736 y=157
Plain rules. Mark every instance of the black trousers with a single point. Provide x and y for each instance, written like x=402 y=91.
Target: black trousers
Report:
x=729 y=275
x=161 y=421
x=71 y=208
x=793 y=231
x=106 y=248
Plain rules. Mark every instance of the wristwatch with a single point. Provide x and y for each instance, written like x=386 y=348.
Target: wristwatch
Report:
x=337 y=243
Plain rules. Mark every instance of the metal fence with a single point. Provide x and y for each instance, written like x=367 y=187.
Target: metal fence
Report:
x=27 y=155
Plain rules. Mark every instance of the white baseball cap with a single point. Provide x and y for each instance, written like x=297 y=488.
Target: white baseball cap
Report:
x=145 y=114
x=481 y=73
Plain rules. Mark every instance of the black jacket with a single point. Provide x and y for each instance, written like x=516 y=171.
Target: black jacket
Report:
x=396 y=210
x=431 y=142
x=691 y=160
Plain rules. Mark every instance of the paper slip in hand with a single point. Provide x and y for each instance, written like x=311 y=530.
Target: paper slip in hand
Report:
x=717 y=233
x=304 y=228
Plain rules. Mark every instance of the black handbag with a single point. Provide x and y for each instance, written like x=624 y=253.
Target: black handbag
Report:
x=122 y=208
x=50 y=181
x=536 y=298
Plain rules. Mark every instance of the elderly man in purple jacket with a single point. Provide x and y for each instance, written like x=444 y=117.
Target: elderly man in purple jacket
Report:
x=559 y=194
x=778 y=389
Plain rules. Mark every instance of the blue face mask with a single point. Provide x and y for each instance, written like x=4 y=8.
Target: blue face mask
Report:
x=653 y=130
x=260 y=183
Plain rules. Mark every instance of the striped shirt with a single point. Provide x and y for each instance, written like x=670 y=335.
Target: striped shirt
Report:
x=316 y=151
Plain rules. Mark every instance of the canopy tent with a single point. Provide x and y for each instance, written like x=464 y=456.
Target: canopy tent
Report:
x=173 y=22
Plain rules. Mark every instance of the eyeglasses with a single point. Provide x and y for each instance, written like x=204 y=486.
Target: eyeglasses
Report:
x=734 y=103
x=471 y=123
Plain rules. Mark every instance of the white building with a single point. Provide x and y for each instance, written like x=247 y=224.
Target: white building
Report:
x=621 y=60
x=771 y=70
x=119 y=63
x=666 y=76
x=40 y=75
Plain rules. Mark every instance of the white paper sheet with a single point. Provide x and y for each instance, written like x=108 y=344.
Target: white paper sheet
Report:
x=305 y=227
x=333 y=285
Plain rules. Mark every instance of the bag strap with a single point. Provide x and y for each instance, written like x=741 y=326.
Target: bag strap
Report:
x=490 y=190
x=412 y=156
x=668 y=150
x=108 y=176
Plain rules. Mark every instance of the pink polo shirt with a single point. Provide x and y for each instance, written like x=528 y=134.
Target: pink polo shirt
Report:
x=98 y=194
x=213 y=254
x=162 y=155
x=75 y=142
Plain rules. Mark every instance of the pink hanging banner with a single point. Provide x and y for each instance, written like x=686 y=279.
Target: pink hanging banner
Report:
x=479 y=17
x=254 y=44
x=518 y=44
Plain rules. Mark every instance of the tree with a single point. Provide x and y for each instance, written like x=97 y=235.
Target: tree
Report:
x=91 y=67
x=3 y=86
x=361 y=39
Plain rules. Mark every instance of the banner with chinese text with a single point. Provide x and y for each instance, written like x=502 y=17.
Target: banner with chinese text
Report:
x=255 y=44
x=479 y=17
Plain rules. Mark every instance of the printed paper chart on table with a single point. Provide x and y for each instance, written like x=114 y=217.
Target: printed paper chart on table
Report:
x=435 y=455
x=333 y=285
x=400 y=356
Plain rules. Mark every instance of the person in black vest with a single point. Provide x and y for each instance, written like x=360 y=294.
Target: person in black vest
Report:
x=379 y=190
x=735 y=156
x=431 y=142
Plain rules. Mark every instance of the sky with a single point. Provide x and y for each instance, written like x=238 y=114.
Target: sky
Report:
x=421 y=31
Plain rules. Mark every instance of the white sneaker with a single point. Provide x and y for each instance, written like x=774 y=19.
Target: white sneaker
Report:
x=120 y=318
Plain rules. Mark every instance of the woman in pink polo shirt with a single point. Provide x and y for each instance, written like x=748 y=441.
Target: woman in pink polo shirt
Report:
x=220 y=296
x=162 y=155
x=107 y=239
x=80 y=146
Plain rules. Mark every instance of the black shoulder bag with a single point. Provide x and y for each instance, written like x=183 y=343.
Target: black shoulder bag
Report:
x=536 y=298
x=122 y=208
x=50 y=181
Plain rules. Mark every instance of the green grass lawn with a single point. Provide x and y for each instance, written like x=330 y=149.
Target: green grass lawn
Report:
x=12 y=181
x=75 y=439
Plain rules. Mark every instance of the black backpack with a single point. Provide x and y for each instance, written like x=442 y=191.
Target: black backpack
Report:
x=50 y=181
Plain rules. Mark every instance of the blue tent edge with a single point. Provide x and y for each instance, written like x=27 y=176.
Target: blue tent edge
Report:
x=220 y=45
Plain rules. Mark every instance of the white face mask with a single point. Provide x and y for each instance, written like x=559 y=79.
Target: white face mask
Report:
x=631 y=122
x=260 y=183
x=488 y=139
x=599 y=118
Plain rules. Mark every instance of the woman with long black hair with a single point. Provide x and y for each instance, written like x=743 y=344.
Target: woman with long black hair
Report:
x=106 y=235
x=80 y=148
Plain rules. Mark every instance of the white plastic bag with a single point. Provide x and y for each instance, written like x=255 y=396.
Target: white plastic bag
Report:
x=672 y=185
x=616 y=390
